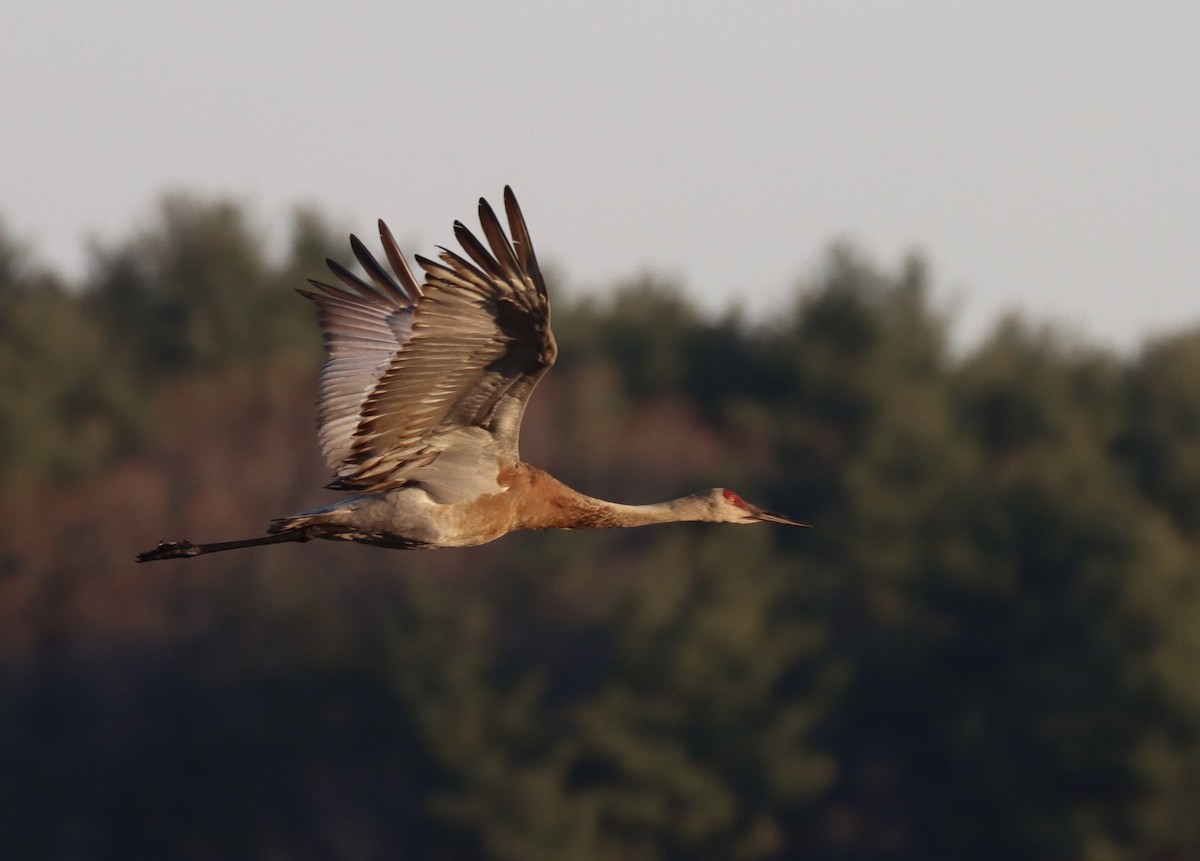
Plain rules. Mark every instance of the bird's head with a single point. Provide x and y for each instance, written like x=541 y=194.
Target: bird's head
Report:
x=729 y=507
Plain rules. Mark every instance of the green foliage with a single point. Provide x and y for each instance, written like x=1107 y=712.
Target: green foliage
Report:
x=985 y=648
x=192 y=294
x=196 y=292
x=1163 y=439
x=63 y=407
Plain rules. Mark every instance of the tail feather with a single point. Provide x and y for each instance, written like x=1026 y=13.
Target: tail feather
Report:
x=287 y=524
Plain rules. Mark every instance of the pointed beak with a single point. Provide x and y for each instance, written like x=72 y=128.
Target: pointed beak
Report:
x=772 y=517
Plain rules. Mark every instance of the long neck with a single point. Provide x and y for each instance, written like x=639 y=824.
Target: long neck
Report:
x=603 y=514
x=556 y=506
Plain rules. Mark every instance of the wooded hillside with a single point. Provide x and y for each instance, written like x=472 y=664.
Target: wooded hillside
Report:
x=987 y=646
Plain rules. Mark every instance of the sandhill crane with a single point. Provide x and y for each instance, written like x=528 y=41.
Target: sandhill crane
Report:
x=421 y=399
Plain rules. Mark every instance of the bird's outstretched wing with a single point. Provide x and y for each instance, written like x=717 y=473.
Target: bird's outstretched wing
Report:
x=428 y=383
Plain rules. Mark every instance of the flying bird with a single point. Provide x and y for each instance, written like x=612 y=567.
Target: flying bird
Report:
x=421 y=398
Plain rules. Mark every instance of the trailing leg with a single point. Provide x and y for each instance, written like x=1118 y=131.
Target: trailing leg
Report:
x=186 y=549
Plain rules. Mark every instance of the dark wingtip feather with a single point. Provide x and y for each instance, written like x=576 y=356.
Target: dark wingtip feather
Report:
x=522 y=244
x=320 y=288
x=501 y=247
x=385 y=282
x=396 y=258
x=427 y=264
x=348 y=278
x=476 y=251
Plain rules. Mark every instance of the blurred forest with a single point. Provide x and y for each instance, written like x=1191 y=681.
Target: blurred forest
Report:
x=987 y=647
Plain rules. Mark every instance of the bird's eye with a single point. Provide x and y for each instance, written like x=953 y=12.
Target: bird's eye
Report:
x=734 y=498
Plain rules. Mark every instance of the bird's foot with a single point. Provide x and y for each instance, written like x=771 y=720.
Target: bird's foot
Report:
x=169 y=550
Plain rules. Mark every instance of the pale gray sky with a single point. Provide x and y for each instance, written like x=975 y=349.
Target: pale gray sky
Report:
x=1043 y=156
